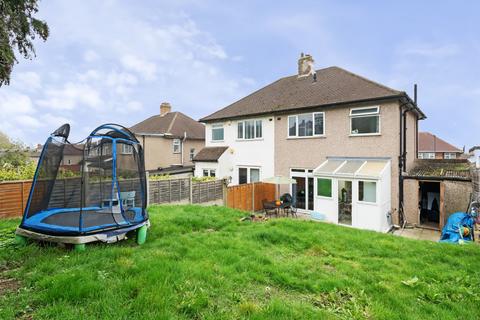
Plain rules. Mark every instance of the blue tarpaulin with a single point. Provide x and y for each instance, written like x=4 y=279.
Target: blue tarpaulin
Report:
x=451 y=231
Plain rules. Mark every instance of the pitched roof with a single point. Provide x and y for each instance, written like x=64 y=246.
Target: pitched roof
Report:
x=439 y=168
x=334 y=85
x=210 y=154
x=428 y=142
x=171 y=123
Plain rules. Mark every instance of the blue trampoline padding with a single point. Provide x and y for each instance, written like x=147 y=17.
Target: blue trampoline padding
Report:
x=35 y=221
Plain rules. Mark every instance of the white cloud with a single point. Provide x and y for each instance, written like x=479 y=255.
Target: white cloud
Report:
x=70 y=96
x=54 y=121
x=143 y=67
x=132 y=106
x=90 y=56
x=28 y=80
x=431 y=50
x=12 y=102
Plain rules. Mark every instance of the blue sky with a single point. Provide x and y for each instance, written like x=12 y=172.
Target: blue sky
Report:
x=116 y=61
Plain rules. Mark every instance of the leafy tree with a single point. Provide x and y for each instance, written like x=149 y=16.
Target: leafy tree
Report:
x=18 y=29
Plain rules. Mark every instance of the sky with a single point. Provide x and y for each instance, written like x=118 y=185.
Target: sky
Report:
x=116 y=61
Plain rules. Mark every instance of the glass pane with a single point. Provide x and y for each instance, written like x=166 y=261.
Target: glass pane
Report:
x=310 y=194
x=258 y=129
x=254 y=175
x=249 y=129
x=364 y=111
x=324 y=187
x=365 y=125
x=367 y=191
x=212 y=173
x=217 y=134
x=319 y=123
x=242 y=175
x=240 y=130
x=292 y=126
x=345 y=202
x=305 y=125
x=205 y=172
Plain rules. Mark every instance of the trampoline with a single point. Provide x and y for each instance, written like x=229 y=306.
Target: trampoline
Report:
x=93 y=190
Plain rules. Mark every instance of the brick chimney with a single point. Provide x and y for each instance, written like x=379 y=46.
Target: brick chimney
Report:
x=305 y=65
x=165 y=108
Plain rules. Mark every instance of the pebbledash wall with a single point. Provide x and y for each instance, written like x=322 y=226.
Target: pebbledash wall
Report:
x=253 y=153
x=310 y=152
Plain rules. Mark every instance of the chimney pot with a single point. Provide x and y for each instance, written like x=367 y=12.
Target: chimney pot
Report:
x=165 y=108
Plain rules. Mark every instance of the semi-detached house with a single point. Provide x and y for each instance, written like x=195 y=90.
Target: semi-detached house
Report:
x=345 y=139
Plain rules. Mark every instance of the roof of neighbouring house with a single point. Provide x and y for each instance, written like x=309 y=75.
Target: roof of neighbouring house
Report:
x=428 y=142
x=440 y=168
x=171 y=124
x=474 y=148
x=333 y=86
x=209 y=154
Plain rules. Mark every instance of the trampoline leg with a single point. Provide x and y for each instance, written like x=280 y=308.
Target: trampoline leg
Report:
x=79 y=247
x=142 y=235
x=21 y=240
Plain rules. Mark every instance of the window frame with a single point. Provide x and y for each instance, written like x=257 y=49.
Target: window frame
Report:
x=124 y=145
x=365 y=115
x=426 y=157
x=314 y=135
x=209 y=172
x=177 y=143
x=192 y=153
x=450 y=155
x=249 y=175
x=376 y=192
x=255 y=131
x=218 y=126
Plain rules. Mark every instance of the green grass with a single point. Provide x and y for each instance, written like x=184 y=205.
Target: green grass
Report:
x=203 y=263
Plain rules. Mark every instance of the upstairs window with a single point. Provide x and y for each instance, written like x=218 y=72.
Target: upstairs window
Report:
x=127 y=149
x=306 y=125
x=176 y=145
x=249 y=129
x=365 y=121
x=192 y=153
x=426 y=155
x=217 y=132
x=450 y=155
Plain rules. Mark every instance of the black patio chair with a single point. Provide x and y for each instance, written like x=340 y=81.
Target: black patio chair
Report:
x=288 y=205
x=269 y=208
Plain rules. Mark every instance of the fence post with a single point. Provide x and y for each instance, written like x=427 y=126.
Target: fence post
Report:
x=225 y=193
x=253 y=197
x=147 y=178
x=191 y=190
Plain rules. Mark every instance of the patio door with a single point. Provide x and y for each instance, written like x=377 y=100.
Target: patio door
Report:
x=302 y=191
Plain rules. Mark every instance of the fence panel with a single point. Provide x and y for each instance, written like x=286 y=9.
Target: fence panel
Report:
x=13 y=198
x=249 y=197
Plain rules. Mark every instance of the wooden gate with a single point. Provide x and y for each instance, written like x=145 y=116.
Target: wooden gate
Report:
x=249 y=196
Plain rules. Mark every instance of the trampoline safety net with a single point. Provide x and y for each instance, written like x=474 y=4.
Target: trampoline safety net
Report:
x=96 y=185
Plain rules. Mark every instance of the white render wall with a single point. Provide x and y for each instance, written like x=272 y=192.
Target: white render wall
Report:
x=257 y=153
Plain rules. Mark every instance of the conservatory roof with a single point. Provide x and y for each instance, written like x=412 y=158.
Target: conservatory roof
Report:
x=352 y=168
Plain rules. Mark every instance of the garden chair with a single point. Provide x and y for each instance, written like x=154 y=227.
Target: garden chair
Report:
x=289 y=205
x=127 y=199
x=269 y=208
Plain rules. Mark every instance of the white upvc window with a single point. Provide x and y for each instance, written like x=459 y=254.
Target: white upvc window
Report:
x=127 y=149
x=192 y=153
x=177 y=145
x=306 y=125
x=249 y=129
x=367 y=191
x=365 y=121
x=248 y=175
x=209 y=172
x=426 y=155
x=450 y=155
x=217 y=132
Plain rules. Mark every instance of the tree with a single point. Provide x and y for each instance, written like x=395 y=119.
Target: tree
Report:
x=18 y=29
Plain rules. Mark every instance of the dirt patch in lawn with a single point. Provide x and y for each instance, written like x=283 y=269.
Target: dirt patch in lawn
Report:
x=8 y=285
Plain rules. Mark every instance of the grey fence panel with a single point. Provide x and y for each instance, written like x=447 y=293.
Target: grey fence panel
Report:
x=178 y=190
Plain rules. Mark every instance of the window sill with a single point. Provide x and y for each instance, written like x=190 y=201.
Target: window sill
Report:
x=323 y=197
x=308 y=137
x=364 y=134
x=367 y=203
x=248 y=140
x=217 y=141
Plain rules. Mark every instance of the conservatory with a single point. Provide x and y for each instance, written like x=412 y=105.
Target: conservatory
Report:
x=93 y=190
x=354 y=192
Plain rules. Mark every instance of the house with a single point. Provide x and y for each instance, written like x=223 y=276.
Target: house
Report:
x=346 y=140
x=170 y=141
x=432 y=147
x=474 y=155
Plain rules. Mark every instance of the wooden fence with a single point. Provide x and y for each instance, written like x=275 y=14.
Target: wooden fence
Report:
x=13 y=198
x=249 y=197
x=66 y=193
x=185 y=190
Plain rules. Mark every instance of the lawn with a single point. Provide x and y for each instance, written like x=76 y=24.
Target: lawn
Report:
x=203 y=263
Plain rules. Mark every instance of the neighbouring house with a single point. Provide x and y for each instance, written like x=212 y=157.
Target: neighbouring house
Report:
x=432 y=147
x=170 y=141
x=346 y=140
x=474 y=155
